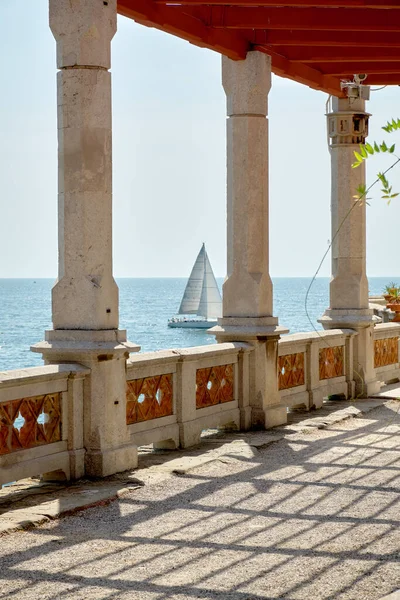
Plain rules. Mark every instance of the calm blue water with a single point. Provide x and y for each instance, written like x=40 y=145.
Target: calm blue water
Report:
x=145 y=307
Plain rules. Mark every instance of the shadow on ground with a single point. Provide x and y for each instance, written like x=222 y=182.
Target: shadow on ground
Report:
x=315 y=515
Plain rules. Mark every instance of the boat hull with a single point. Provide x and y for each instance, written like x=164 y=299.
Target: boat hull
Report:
x=192 y=324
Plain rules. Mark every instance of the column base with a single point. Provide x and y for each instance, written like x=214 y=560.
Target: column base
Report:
x=339 y=318
x=271 y=416
x=264 y=410
x=243 y=329
x=64 y=345
x=106 y=437
x=102 y=463
x=366 y=389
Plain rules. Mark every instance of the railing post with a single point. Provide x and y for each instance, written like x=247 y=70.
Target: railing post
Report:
x=349 y=364
x=244 y=387
x=316 y=399
x=186 y=403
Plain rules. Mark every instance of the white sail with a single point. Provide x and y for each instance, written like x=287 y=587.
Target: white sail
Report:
x=191 y=297
x=210 y=305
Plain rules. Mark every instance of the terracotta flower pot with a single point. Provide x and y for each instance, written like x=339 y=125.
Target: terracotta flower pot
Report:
x=396 y=309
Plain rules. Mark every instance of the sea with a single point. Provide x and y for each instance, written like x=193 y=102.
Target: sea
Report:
x=145 y=307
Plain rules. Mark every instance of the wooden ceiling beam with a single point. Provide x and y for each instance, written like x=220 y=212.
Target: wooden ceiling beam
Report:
x=285 y=33
x=378 y=80
x=342 y=54
x=327 y=38
x=306 y=19
x=230 y=43
x=303 y=74
x=292 y=3
x=347 y=69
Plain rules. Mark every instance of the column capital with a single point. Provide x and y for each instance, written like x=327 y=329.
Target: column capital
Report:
x=348 y=122
x=83 y=30
x=247 y=84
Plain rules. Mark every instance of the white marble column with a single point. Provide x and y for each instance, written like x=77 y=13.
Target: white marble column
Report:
x=349 y=306
x=247 y=291
x=85 y=296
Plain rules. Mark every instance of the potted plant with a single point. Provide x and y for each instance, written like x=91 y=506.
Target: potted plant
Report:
x=392 y=298
x=391 y=291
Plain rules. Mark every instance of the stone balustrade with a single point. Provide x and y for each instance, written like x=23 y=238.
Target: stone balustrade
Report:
x=173 y=395
x=386 y=352
x=312 y=366
x=41 y=423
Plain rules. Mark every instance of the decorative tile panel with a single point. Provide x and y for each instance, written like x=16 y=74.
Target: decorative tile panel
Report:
x=149 y=398
x=291 y=370
x=214 y=385
x=331 y=362
x=386 y=352
x=30 y=422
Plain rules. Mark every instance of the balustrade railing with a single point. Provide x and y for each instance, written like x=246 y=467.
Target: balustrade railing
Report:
x=41 y=423
x=386 y=351
x=312 y=366
x=172 y=396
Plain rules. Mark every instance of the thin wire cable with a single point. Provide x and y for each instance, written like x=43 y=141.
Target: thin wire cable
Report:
x=356 y=203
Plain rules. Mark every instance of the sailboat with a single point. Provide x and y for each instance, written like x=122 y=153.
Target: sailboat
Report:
x=201 y=297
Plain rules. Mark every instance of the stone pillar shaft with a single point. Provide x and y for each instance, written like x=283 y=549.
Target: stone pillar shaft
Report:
x=248 y=287
x=85 y=295
x=247 y=291
x=349 y=285
x=349 y=306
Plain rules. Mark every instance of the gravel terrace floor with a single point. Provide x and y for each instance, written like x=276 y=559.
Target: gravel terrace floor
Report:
x=313 y=515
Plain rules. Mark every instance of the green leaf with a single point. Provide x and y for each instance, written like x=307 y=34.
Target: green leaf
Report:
x=363 y=151
x=383 y=179
x=358 y=157
x=369 y=149
x=362 y=188
x=376 y=147
x=392 y=148
x=384 y=147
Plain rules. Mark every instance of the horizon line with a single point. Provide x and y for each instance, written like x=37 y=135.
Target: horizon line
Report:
x=186 y=277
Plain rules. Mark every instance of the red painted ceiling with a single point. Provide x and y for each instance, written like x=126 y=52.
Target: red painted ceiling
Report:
x=315 y=42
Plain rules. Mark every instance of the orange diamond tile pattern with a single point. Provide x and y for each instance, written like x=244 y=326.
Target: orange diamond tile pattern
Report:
x=291 y=370
x=386 y=352
x=331 y=362
x=149 y=398
x=30 y=422
x=214 y=385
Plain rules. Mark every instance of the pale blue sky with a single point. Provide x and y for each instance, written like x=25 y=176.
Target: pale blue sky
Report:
x=169 y=158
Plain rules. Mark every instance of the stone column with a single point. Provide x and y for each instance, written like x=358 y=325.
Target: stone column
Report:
x=247 y=291
x=349 y=305
x=85 y=296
